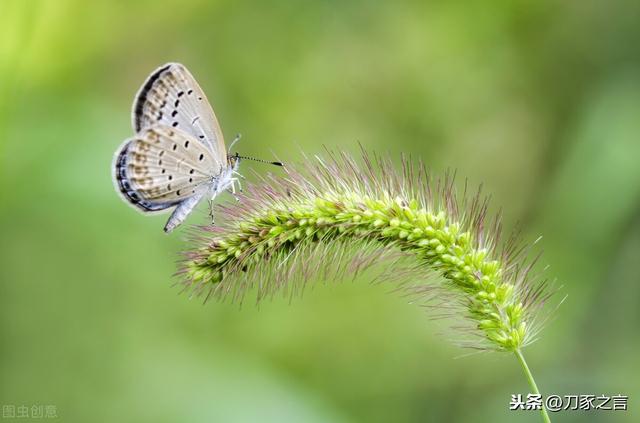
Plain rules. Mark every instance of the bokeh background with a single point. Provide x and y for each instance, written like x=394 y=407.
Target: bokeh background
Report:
x=539 y=101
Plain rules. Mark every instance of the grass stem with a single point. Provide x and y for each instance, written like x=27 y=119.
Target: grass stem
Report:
x=532 y=384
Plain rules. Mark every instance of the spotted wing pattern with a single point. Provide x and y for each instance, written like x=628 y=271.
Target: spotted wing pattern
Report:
x=161 y=167
x=171 y=96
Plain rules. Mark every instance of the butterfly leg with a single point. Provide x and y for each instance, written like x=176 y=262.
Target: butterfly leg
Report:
x=237 y=180
x=234 y=195
x=232 y=188
x=211 y=211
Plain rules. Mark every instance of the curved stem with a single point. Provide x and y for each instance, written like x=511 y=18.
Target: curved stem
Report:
x=442 y=241
x=532 y=384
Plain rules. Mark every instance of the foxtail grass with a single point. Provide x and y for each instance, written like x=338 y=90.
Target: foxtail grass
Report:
x=327 y=218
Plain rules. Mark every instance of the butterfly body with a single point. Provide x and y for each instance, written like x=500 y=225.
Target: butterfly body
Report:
x=216 y=184
x=177 y=156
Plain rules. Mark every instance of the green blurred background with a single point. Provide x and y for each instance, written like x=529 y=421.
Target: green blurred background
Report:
x=540 y=101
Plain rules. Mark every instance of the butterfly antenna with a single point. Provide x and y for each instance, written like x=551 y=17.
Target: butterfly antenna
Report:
x=235 y=140
x=259 y=160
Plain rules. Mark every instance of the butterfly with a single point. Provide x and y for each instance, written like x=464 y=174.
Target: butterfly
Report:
x=177 y=156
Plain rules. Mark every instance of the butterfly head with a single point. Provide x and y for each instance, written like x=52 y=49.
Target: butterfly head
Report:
x=233 y=161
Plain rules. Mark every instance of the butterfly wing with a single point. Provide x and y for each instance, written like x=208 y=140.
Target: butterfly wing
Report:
x=171 y=96
x=162 y=167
